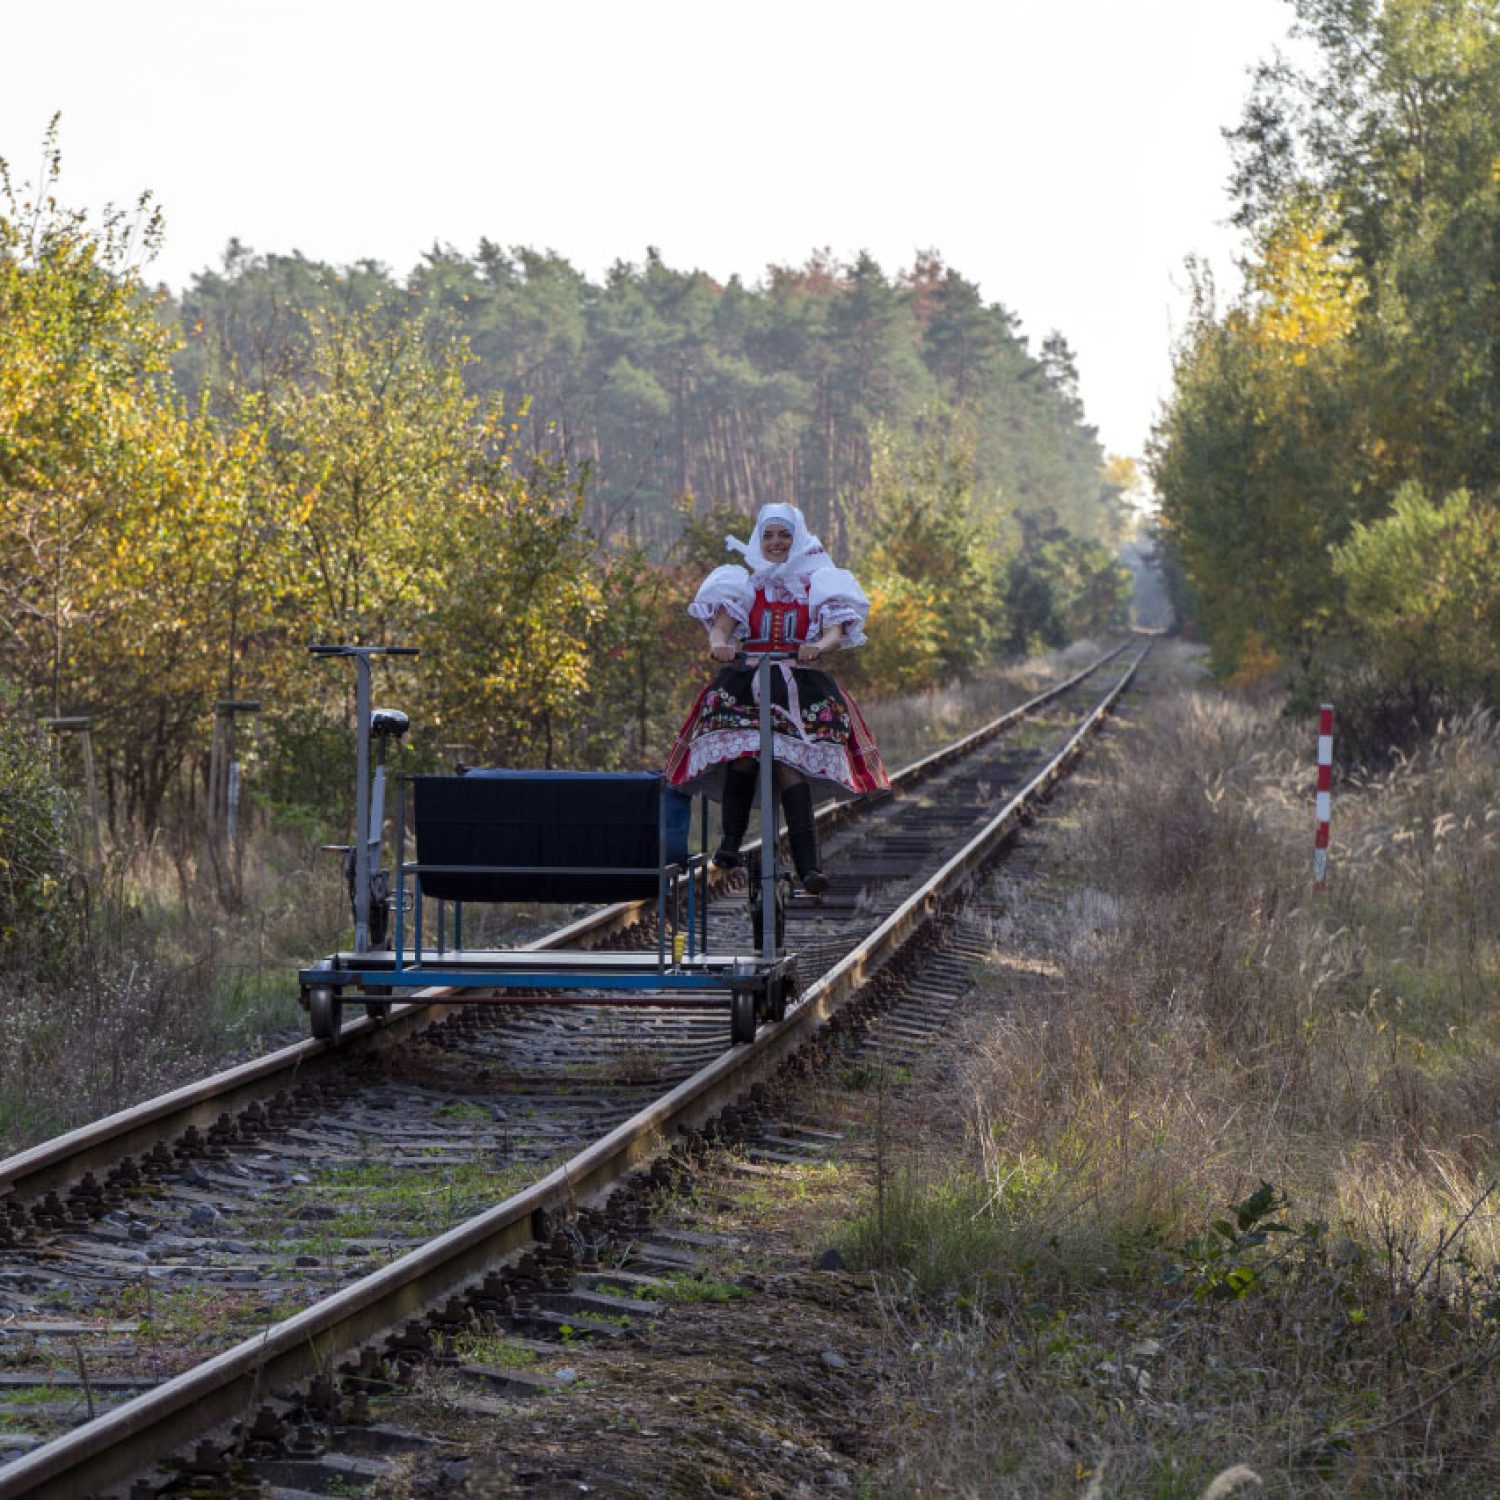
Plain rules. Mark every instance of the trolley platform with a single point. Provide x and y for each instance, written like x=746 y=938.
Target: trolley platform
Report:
x=510 y=968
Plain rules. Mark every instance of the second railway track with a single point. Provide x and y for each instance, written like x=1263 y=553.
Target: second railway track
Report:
x=162 y=1272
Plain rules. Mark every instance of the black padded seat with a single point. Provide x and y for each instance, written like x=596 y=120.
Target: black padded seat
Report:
x=550 y=819
x=388 y=723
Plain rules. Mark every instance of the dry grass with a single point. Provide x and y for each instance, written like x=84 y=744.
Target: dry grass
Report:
x=153 y=978
x=910 y=727
x=1077 y=1303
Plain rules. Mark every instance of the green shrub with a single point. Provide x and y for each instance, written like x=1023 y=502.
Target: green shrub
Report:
x=34 y=859
x=306 y=768
x=1422 y=594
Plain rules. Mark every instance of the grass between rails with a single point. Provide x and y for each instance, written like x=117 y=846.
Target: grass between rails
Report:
x=388 y=1199
x=1210 y=1182
x=749 y=1382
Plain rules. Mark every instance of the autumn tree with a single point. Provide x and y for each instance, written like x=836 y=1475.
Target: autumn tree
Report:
x=367 y=441
x=934 y=569
x=508 y=632
x=1363 y=358
x=113 y=497
x=1263 y=419
x=79 y=346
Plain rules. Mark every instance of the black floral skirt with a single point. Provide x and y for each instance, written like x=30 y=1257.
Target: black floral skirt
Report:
x=816 y=728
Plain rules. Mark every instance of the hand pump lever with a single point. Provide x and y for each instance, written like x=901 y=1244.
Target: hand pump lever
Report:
x=360 y=655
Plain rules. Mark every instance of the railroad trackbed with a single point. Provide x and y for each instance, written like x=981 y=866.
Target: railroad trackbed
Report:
x=232 y=1285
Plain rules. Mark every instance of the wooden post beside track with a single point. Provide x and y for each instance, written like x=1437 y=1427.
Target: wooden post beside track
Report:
x=80 y=725
x=224 y=767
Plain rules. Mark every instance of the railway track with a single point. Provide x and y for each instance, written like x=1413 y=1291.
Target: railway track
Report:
x=177 y=1266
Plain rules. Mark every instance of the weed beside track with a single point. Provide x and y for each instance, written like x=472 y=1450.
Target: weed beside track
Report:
x=1207 y=1188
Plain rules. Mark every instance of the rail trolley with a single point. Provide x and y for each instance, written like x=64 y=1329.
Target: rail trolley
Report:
x=502 y=836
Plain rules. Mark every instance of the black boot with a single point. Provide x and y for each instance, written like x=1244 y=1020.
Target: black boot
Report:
x=802 y=835
x=739 y=794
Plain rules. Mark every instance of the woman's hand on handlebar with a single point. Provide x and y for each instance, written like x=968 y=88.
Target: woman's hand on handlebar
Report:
x=809 y=651
x=721 y=651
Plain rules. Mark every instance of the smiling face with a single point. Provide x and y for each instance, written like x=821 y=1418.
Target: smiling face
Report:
x=776 y=542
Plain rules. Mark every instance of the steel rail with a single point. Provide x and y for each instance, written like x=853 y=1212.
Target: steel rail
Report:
x=127 y=1439
x=56 y=1163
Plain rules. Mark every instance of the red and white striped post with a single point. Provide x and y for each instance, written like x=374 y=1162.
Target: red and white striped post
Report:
x=1325 y=794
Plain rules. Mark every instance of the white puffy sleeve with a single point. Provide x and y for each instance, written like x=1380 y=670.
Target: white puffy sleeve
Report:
x=834 y=597
x=727 y=588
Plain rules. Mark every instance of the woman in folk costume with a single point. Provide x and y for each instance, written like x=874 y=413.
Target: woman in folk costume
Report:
x=788 y=597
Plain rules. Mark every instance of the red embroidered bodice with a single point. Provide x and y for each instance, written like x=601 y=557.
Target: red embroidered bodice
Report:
x=776 y=627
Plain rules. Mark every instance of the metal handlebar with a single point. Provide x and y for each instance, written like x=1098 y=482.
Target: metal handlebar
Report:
x=325 y=650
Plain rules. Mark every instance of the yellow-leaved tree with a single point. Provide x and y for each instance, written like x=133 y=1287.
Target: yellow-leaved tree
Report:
x=1305 y=286
x=369 y=438
x=510 y=629
x=116 y=505
x=1265 y=417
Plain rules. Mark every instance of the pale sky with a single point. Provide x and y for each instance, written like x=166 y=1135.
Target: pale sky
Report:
x=1066 y=156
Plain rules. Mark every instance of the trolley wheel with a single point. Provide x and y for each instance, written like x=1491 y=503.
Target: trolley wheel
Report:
x=757 y=926
x=776 y=997
x=380 y=909
x=327 y=1012
x=742 y=1016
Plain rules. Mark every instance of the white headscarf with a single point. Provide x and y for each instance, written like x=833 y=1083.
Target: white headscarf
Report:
x=806 y=555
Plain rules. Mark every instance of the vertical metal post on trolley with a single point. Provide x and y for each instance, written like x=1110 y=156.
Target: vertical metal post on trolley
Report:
x=703 y=866
x=366 y=839
x=767 y=818
x=362 y=804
